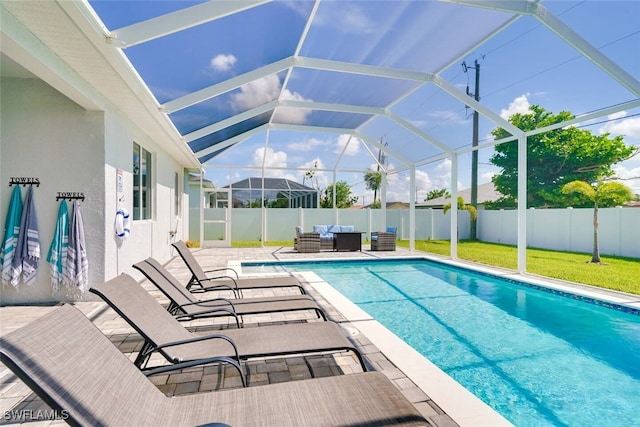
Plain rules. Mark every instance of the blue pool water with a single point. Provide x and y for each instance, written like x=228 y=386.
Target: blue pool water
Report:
x=536 y=357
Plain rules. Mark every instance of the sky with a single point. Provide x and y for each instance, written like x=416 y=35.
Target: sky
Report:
x=523 y=65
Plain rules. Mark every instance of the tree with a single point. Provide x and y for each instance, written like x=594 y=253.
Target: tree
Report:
x=344 y=199
x=473 y=213
x=373 y=180
x=601 y=194
x=434 y=194
x=554 y=158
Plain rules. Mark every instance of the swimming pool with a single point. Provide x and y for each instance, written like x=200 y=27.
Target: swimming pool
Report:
x=536 y=357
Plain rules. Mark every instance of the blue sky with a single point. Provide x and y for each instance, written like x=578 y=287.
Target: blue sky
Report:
x=523 y=65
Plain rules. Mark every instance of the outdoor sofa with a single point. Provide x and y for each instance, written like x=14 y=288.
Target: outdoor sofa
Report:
x=320 y=239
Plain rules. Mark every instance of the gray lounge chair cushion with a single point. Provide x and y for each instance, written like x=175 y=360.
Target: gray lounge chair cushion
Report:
x=158 y=328
x=73 y=367
x=184 y=302
x=201 y=278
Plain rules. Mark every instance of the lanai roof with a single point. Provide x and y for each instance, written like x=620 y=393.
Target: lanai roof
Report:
x=377 y=73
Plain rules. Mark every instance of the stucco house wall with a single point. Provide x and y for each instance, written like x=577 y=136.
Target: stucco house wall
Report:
x=69 y=149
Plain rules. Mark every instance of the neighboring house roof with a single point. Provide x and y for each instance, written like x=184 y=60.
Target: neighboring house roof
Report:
x=486 y=193
x=194 y=179
x=390 y=205
x=270 y=184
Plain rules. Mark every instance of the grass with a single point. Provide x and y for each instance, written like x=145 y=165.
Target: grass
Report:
x=617 y=273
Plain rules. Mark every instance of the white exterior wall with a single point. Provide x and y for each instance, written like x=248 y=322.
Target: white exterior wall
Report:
x=45 y=135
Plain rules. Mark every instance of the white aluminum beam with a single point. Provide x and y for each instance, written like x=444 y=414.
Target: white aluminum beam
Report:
x=413 y=129
x=177 y=21
x=586 y=49
x=382 y=147
x=303 y=37
x=367 y=70
x=453 y=225
x=232 y=141
x=226 y=86
x=207 y=130
x=324 y=106
x=522 y=204
x=475 y=105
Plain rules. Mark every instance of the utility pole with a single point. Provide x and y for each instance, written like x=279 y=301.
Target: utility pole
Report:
x=474 y=143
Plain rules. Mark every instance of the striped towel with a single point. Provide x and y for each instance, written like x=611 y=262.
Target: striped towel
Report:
x=57 y=256
x=77 y=271
x=27 y=256
x=11 y=233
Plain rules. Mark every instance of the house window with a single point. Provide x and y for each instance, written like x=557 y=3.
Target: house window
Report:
x=141 y=183
x=178 y=195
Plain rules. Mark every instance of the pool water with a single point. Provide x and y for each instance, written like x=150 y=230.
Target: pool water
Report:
x=536 y=357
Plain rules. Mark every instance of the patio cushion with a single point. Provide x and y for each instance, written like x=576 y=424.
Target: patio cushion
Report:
x=323 y=230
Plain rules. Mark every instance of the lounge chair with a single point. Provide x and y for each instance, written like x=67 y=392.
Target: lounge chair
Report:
x=81 y=375
x=201 y=282
x=164 y=334
x=184 y=306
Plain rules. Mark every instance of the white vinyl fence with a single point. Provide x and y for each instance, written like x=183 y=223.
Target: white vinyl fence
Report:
x=557 y=229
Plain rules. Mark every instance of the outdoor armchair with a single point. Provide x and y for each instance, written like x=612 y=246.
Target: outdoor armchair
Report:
x=227 y=278
x=384 y=240
x=185 y=306
x=81 y=375
x=306 y=242
x=165 y=335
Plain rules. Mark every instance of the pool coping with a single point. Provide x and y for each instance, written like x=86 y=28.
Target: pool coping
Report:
x=461 y=405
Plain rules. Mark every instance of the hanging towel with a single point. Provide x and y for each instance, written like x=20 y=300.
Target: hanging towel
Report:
x=27 y=257
x=77 y=263
x=11 y=233
x=57 y=256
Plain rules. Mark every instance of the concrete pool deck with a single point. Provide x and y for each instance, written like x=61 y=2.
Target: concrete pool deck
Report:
x=440 y=399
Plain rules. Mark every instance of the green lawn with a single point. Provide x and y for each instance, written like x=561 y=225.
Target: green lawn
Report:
x=618 y=273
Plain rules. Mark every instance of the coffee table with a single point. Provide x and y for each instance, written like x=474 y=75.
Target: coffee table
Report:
x=347 y=241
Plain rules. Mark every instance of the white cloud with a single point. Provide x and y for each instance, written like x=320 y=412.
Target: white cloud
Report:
x=629 y=173
x=257 y=92
x=270 y=159
x=352 y=149
x=307 y=144
x=223 y=62
x=349 y=18
x=518 y=105
x=267 y=89
x=620 y=126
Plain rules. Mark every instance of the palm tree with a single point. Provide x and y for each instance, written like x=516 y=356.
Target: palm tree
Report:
x=604 y=194
x=373 y=180
x=461 y=206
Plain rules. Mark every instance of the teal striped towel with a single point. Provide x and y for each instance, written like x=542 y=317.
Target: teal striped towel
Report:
x=11 y=233
x=57 y=255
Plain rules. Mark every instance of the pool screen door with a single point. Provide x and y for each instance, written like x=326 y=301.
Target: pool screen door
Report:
x=215 y=218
